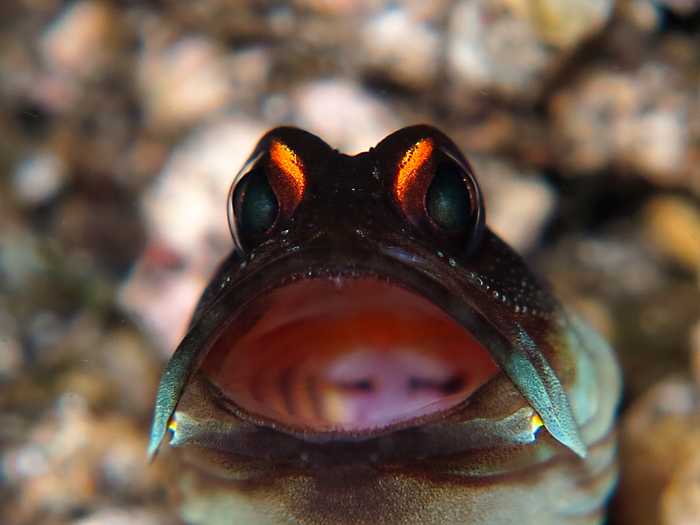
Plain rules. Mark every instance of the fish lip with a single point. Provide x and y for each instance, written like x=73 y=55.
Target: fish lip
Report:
x=260 y=279
x=442 y=284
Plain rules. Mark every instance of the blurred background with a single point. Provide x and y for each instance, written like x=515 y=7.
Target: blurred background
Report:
x=123 y=122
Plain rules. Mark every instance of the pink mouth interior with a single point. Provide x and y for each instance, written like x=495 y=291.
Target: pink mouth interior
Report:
x=348 y=354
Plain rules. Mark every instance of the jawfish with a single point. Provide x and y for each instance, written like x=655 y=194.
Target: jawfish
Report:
x=371 y=353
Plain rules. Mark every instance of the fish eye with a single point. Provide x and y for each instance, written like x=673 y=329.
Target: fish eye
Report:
x=447 y=200
x=435 y=188
x=255 y=206
x=265 y=193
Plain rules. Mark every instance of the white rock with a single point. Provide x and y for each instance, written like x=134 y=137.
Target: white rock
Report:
x=188 y=231
x=343 y=114
x=38 y=178
x=76 y=41
x=186 y=206
x=641 y=119
x=494 y=52
x=183 y=83
x=402 y=46
x=509 y=46
x=518 y=205
x=74 y=48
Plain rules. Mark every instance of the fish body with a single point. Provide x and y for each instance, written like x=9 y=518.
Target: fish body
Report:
x=372 y=353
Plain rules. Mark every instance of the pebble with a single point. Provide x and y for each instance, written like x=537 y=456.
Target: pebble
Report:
x=39 y=178
x=508 y=48
x=644 y=14
x=46 y=329
x=344 y=114
x=183 y=83
x=162 y=307
x=638 y=119
x=18 y=72
x=402 y=46
x=660 y=456
x=564 y=24
x=519 y=203
x=75 y=48
x=680 y=500
x=72 y=455
x=673 y=226
x=79 y=39
x=185 y=210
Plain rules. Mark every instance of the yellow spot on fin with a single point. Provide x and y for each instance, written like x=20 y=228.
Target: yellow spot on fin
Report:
x=536 y=423
x=172 y=424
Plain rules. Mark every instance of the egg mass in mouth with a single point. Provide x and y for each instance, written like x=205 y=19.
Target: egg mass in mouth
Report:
x=346 y=354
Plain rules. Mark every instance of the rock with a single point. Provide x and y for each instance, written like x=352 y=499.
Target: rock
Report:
x=673 y=225
x=644 y=14
x=188 y=234
x=680 y=500
x=79 y=40
x=660 y=436
x=186 y=81
x=72 y=455
x=77 y=47
x=509 y=47
x=398 y=44
x=639 y=120
x=38 y=178
x=565 y=23
x=660 y=453
x=183 y=83
x=342 y=113
x=519 y=204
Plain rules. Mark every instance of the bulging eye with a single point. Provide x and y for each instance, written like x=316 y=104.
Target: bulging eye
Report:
x=435 y=189
x=447 y=199
x=267 y=190
x=255 y=206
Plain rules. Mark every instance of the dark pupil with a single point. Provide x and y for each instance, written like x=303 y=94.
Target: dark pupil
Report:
x=447 y=199
x=255 y=204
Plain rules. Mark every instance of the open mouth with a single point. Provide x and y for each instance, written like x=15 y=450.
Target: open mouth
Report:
x=346 y=354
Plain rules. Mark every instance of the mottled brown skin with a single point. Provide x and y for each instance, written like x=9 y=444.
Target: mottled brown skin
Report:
x=485 y=460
